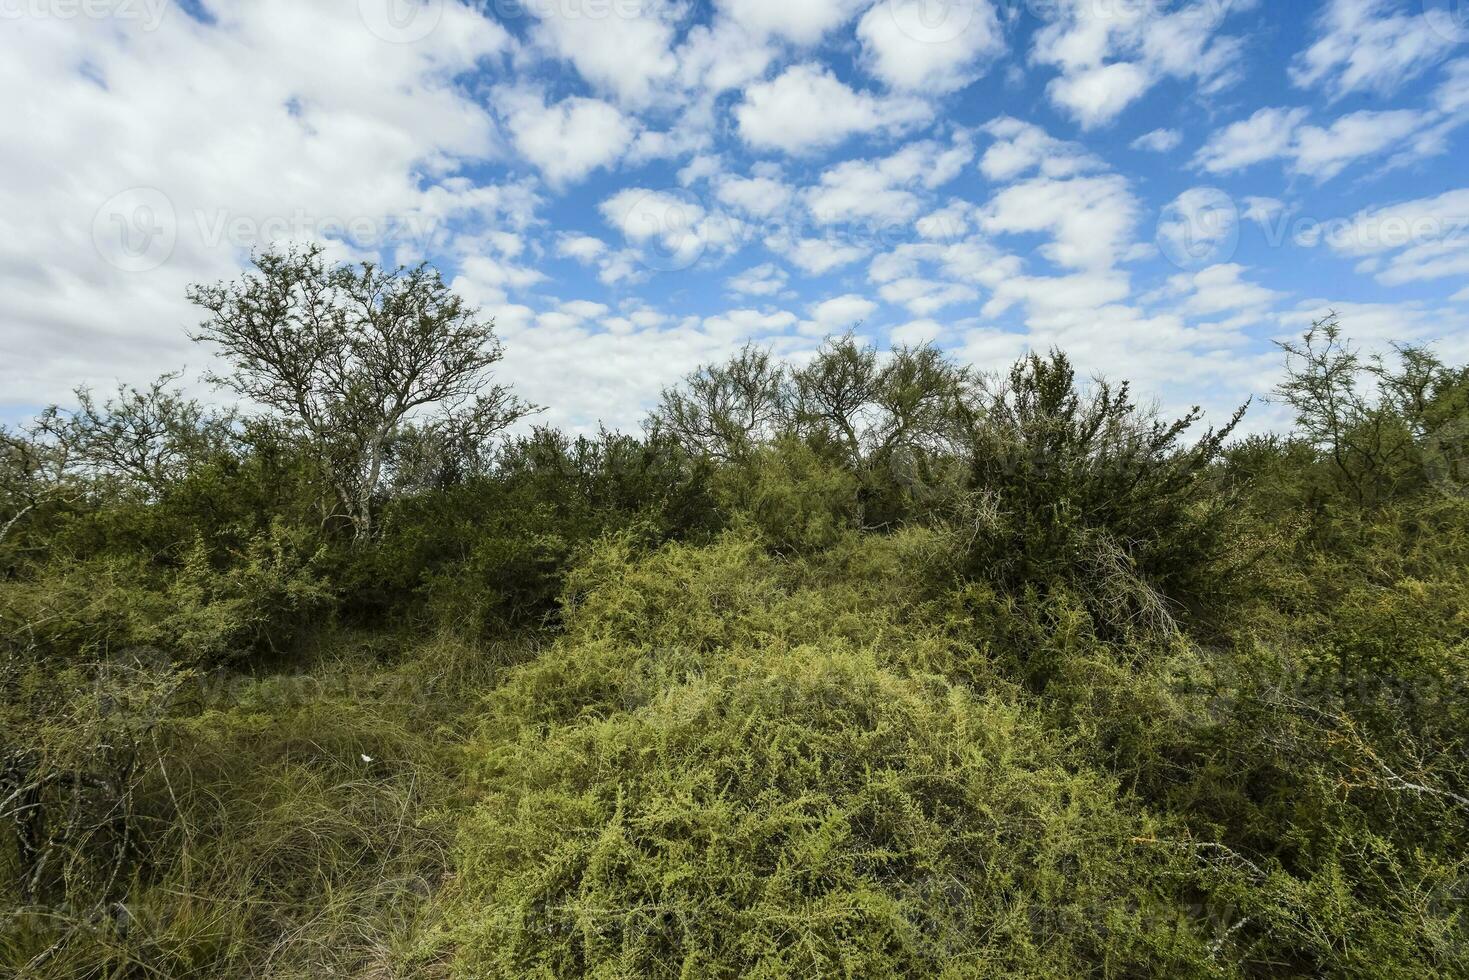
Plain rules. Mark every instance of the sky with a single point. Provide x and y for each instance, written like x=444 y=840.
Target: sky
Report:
x=631 y=188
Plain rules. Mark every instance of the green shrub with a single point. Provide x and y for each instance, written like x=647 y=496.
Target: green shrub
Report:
x=811 y=814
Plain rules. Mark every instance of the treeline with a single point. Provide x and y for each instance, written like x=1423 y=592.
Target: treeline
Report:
x=875 y=665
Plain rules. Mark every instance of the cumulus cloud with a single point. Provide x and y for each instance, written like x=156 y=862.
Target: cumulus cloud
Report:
x=568 y=140
x=1221 y=289
x=146 y=171
x=1370 y=46
x=1020 y=147
x=629 y=57
x=1323 y=152
x=766 y=279
x=1159 y=141
x=888 y=190
x=906 y=46
x=1090 y=220
x=916 y=332
x=838 y=314
x=803 y=23
x=1417 y=241
x=1266 y=135
x=1109 y=55
x=806 y=107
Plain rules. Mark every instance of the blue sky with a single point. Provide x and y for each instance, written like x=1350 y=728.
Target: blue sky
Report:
x=632 y=187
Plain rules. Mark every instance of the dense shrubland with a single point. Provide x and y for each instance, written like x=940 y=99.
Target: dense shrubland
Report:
x=878 y=665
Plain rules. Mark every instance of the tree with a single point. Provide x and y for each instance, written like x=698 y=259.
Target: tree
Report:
x=146 y=437
x=1374 y=420
x=724 y=410
x=1085 y=477
x=354 y=357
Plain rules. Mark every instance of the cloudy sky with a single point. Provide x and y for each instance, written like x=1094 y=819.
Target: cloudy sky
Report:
x=632 y=187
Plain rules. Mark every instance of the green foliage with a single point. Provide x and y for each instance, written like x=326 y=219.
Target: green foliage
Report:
x=278 y=826
x=867 y=666
x=734 y=766
x=1088 y=485
x=798 y=499
x=809 y=814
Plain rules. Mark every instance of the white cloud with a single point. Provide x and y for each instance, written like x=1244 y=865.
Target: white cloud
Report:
x=1324 y=153
x=1421 y=240
x=584 y=309
x=1370 y=46
x=886 y=190
x=1162 y=352
x=761 y=197
x=724 y=55
x=486 y=280
x=627 y=56
x=1091 y=220
x=1109 y=54
x=1452 y=95
x=803 y=22
x=568 y=140
x=807 y=107
x=613 y=372
x=949 y=223
x=1095 y=96
x=1159 y=141
x=970 y=260
x=838 y=315
x=671 y=229
x=1021 y=146
x=701 y=167
x=1266 y=135
x=906 y=46
x=259 y=126
x=1262 y=210
x=817 y=256
x=926 y=296
x=761 y=280
x=583 y=248
x=1375 y=326
x=1221 y=289
x=1199 y=227
x=916 y=332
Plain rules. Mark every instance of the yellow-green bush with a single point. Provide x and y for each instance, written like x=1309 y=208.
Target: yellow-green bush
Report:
x=809 y=813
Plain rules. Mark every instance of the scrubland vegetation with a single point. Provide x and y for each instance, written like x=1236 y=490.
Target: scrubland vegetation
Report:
x=878 y=666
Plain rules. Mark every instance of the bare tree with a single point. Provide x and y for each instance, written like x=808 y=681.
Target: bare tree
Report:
x=32 y=474
x=144 y=436
x=353 y=355
x=724 y=410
